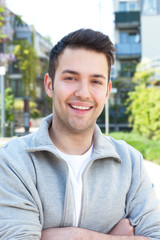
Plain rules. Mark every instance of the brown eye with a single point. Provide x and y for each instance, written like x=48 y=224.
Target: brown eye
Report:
x=97 y=82
x=69 y=78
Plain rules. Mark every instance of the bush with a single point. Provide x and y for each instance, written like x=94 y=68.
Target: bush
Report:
x=145 y=111
x=150 y=149
x=9 y=102
x=35 y=113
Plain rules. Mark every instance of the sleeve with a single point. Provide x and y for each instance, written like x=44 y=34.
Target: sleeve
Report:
x=143 y=207
x=19 y=211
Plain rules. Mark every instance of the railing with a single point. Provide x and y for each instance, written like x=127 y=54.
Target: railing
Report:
x=127 y=18
x=128 y=50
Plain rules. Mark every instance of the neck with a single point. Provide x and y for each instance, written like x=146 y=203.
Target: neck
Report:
x=70 y=142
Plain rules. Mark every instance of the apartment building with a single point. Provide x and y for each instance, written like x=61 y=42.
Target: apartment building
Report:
x=16 y=29
x=127 y=36
x=137 y=36
x=136 y=33
x=150 y=34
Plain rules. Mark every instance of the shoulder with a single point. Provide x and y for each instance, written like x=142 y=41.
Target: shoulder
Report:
x=17 y=144
x=126 y=152
x=122 y=146
x=13 y=155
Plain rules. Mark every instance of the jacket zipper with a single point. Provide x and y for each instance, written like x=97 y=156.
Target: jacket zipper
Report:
x=82 y=197
x=65 y=202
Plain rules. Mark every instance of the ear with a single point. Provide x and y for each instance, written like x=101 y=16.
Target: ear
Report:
x=109 y=89
x=48 y=85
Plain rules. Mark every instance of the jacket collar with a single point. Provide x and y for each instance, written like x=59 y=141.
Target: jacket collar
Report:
x=103 y=146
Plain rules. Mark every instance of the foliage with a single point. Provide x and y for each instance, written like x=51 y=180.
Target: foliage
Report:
x=123 y=84
x=144 y=102
x=145 y=111
x=9 y=102
x=2 y=36
x=18 y=104
x=34 y=112
x=150 y=149
x=48 y=38
x=28 y=64
x=9 y=115
x=143 y=74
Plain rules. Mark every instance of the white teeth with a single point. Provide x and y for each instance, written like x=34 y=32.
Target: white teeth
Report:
x=80 y=107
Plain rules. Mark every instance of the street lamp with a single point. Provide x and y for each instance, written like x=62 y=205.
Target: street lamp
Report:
x=2 y=87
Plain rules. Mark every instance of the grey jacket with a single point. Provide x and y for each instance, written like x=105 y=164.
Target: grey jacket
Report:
x=36 y=193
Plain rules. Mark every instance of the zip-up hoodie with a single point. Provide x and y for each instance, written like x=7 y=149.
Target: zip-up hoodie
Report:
x=36 y=193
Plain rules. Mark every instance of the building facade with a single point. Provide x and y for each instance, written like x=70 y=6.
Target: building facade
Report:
x=127 y=36
x=13 y=30
x=136 y=33
x=136 y=37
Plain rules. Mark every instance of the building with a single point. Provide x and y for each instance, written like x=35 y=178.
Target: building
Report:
x=136 y=33
x=150 y=34
x=127 y=36
x=15 y=29
x=136 y=37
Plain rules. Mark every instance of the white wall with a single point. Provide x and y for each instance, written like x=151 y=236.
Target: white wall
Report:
x=150 y=36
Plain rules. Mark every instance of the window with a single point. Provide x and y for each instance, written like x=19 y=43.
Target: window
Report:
x=131 y=37
x=149 y=7
x=132 y=6
x=129 y=6
x=16 y=85
x=123 y=37
x=123 y=6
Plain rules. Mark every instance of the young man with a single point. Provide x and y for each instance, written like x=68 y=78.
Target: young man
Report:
x=68 y=180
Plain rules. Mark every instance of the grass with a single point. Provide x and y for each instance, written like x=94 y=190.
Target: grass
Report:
x=150 y=149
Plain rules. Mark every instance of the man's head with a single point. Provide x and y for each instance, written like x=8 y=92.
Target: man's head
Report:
x=79 y=70
x=86 y=39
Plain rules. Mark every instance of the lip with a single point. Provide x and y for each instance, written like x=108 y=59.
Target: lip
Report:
x=81 y=104
x=80 y=107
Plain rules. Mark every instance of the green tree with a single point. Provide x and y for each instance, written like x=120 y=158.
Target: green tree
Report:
x=28 y=63
x=9 y=102
x=9 y=115
x=144 y=74
x=144 y=103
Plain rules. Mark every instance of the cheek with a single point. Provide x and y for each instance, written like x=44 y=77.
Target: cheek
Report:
x=62 y=93
x=100 y=97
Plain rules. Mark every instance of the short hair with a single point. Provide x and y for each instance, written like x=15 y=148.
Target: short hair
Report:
x=86 y=39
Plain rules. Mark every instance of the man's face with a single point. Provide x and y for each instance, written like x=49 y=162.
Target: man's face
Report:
x=80 y=89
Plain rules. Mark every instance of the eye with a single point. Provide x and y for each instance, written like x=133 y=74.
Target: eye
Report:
x=97 y=82
x=69 y=78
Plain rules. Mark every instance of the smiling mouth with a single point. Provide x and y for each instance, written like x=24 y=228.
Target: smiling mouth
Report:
x=80 y=107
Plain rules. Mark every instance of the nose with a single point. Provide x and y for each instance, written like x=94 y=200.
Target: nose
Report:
x=83 y=90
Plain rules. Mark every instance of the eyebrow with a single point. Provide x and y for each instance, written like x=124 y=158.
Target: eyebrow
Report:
x=98 y=76
x=71 y=72
x=78 y=74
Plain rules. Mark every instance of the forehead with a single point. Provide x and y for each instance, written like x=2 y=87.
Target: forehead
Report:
x=82 y=59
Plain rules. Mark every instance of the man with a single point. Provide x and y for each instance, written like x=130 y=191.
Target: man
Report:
x=68 y=180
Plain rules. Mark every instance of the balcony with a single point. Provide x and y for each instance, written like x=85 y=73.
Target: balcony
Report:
x=24 y=32
x=127 y=19
x=128 y=50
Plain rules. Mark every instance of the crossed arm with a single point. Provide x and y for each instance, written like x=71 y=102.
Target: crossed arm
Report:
x=122 y=231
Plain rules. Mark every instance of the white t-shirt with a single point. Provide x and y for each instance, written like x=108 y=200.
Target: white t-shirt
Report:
x=77 y=165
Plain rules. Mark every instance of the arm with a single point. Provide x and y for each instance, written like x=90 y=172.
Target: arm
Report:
x=122 y=231
x=19 y=207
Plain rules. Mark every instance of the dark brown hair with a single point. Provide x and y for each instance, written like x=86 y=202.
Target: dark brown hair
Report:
x=82 y=38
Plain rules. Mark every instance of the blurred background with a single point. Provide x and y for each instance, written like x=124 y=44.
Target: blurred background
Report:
x=29 y=29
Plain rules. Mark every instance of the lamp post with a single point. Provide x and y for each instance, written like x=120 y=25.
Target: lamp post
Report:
x=2 y=74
